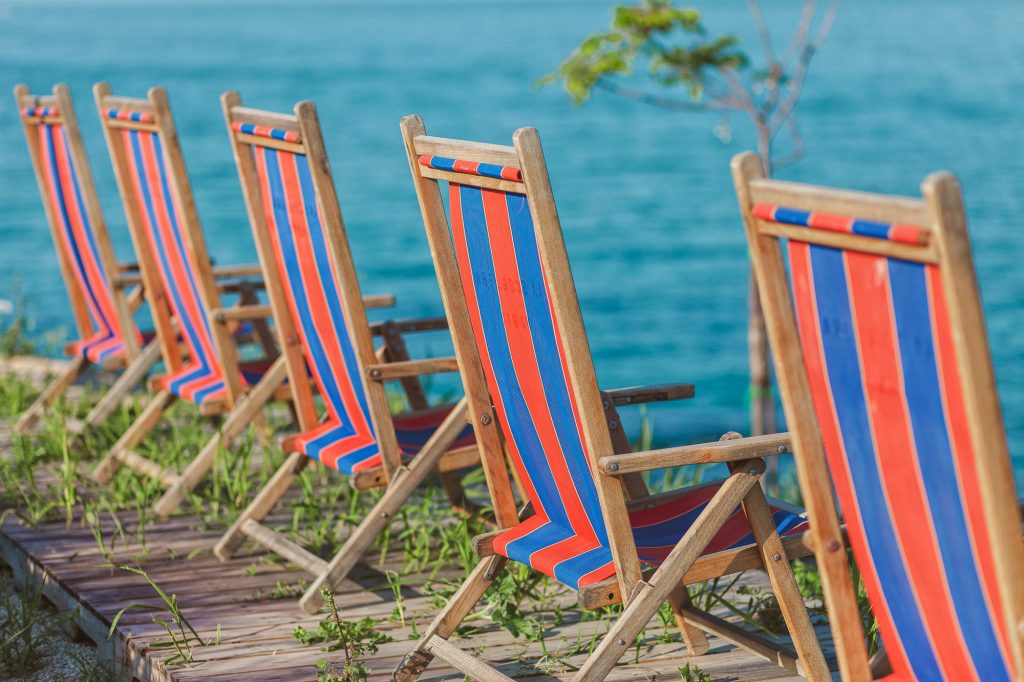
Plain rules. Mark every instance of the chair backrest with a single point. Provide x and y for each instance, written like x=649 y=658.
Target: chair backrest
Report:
x=882 y=358
x=143 y=143
x=310 y=276
x=519 y=336
x=84 y=250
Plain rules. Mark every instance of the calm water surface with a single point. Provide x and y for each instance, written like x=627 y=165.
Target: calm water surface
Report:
x=901 y=89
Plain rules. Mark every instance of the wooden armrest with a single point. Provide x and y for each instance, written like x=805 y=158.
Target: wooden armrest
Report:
x=703 y=453
x=242 y=312
x=379 y=301
x=130 y=266
x=231 y=271
x=411 y=368
x=656 y=393
x=125 y=280
x=420 y=324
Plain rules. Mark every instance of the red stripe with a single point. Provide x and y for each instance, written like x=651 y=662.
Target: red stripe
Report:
x=327 y=327
x=94 y=282
x=963 y=454
x=466 y=275
x=828 y=423
x=830 y=221
x=868 y=282
x=517 y=330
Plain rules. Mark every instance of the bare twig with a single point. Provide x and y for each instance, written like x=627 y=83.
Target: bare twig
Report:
x=762 y=31
x=663 y=102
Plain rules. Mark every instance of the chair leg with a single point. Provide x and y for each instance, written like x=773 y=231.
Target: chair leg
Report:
x=131 y=377
x=247 y=407
x=402 y=485
x=450 y=617
x=261 y=505
x=145 y=423
x=695 y=639
x=649 y=596
x=53 y=390
x=780 y=573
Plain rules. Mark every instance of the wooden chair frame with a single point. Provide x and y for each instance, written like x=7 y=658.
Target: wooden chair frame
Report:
x=136 y=360
x=389 y=362
x=941 y=211
x=239 y=406
x=642 y=593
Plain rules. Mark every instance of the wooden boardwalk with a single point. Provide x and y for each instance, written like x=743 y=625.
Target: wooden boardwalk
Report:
x=249 y=606
x=255 y=628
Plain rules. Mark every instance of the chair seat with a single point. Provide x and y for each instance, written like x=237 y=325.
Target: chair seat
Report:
x=103 y=347
x=332 y=443
x=579 y=559
x=200 y=384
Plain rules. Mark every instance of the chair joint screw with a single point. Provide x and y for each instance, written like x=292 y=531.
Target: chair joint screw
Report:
x=752 y=471
x=622 y=642
x=604 y=404
x=384 y=515
x=485 y=420
x=782 y=449
x=777 y=556
x=612 y=425
x=375 y=373
x=833 y=545
x=614 y=466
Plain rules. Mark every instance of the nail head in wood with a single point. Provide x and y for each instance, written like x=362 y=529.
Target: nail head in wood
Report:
x=485 y=420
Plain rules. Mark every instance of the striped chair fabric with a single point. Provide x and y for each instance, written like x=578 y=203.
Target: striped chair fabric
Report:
x=201 y=378
x=77 y=240
x=877 y=345
x=524 y=364
x=346 y=440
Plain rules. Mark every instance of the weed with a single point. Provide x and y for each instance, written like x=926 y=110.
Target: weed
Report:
x=182 y=634
x=25 y=628
x=692 y=673
x=355 y=638
x=14 y=332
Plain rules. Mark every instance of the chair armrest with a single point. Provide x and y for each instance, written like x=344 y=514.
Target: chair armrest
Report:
x=419 y=324
x=379 y=300
x=233 y=271
x=242 y=312
x=656 y=393
x=126 y=279
x=411 y=368
x=703 y=453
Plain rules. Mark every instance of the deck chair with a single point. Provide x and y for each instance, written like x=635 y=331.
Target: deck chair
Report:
x=98 y=286
x=205 y=367
x=327 y=345
x=532 y=392
x=887 y=384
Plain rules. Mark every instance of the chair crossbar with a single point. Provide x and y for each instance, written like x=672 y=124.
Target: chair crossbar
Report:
x=487 y=170
x=266 y=131
x=129 y=115
x=895 y=232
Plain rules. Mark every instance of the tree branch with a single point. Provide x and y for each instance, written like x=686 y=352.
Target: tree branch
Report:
x=762 y=31
x=663 y=102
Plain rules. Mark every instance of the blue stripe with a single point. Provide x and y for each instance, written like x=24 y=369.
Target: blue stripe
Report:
x=939 y=472
x=870 y=228
x=844 y=374
x=792 y=216
x=545 y=346
x=164 y=250
x=519 y=421
x=329 y=380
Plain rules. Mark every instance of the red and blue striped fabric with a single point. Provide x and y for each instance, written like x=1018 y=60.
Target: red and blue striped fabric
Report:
x=265 y=131
x=40 y=112
x=129 y=115
x=895 y=232
x=487 y=170
x=878 y=350
x=524 y=363
x=201 y=378
x=77 y=241
x=346 y=440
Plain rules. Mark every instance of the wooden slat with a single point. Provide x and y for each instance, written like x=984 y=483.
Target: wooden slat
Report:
x=132 y=125
x=265 y=118
x=468 y=151
x=853 y=242
x=135 y=461
x=260 y=141
x=281 y=545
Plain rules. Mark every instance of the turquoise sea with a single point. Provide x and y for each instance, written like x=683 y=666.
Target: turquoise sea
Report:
x=900 y=89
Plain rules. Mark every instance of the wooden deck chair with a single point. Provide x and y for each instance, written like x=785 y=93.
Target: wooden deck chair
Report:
x=327 y=340
x=205 y=368
x=531 y=389
x=887 y=383
x=100 y=301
